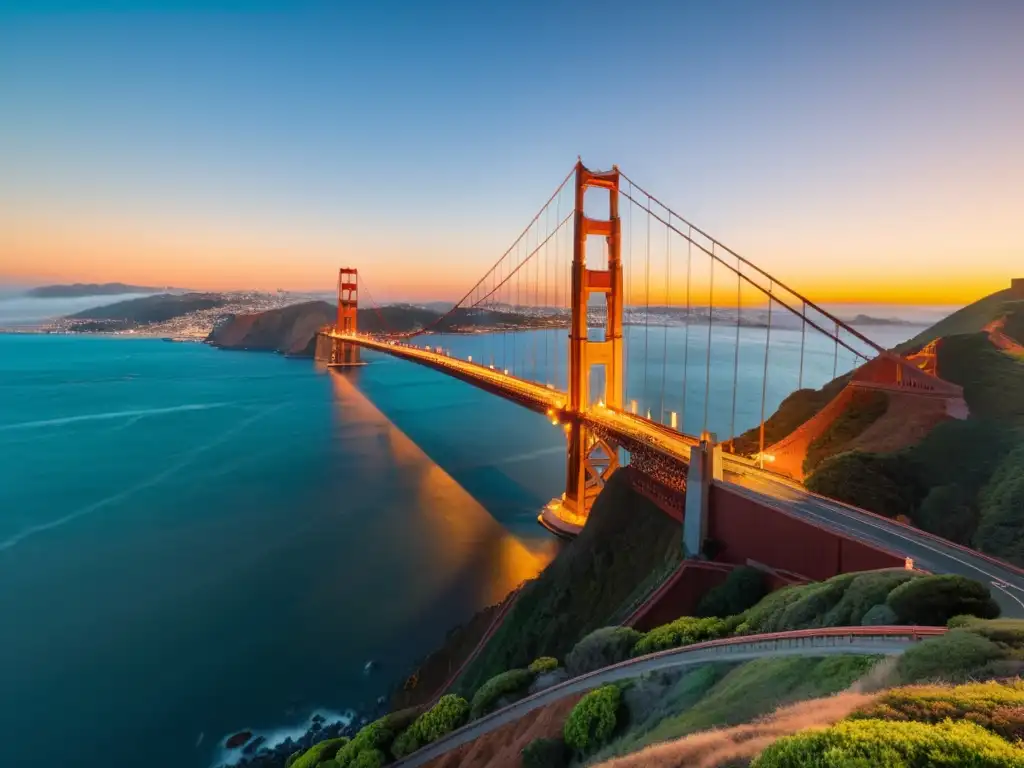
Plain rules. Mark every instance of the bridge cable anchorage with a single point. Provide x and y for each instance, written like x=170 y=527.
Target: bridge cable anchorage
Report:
x=777 y=283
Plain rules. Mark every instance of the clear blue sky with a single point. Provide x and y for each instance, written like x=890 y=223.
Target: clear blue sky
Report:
x=265 y=143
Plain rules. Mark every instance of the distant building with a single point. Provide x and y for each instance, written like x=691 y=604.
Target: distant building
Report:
x=1017 y=288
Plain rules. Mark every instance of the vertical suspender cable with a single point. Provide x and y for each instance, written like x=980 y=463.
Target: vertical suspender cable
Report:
x=629 y=294
x=764 y=380
x=547 y=299
x=668 y=287
x=647 y=296
x=835 y=360
x=736 y=358
x=686 y=340
x=707 y=364
x=803 y=340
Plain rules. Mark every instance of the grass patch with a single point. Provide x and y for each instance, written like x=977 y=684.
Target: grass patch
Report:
x=626 y=539
x=863 y=410
x=856 y=743
x=993 y=382
x=797 y=408
x=970 y=319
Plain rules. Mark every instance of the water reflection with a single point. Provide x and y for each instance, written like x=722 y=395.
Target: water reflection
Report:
x=449 y=537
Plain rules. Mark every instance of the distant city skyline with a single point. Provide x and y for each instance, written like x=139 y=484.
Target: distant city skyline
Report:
x=864 y=153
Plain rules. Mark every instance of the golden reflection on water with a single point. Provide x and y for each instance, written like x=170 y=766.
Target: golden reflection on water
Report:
x=447 y=532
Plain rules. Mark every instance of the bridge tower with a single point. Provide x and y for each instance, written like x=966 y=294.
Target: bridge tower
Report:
x=590 y=459
x=340 y=352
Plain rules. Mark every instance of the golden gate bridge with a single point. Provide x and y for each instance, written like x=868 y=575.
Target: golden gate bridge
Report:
x=602 y=258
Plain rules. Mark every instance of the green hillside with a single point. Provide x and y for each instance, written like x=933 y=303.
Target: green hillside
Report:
x=970 y=319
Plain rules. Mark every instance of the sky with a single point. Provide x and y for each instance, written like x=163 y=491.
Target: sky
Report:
x=861 y=151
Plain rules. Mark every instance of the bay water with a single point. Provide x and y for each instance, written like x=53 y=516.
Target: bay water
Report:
x=195 y=542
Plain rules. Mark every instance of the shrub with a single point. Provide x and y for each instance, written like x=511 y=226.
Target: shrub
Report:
x=1002 y=510
x=593 y=719
x=880 y=615
x=996 y=707
x=513 y=681
x=318 y=753
x=543 y=664
x=370 y=758
x=947 y=511
x=372 y=736
x=956 y=655
x=449 y=713
x=407 y=742
x=887 y=484
x=934 y=600
x=742 y=589
x=602 y=647
x=865 y=591
x=856 y=743
x=686 y=630
x=545 y=753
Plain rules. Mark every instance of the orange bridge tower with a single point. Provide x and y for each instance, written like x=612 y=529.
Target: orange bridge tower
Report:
x=591 y=459
x=330 y=349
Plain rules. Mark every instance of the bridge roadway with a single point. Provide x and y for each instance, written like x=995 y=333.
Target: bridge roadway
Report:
x=742 y=475
x=887 y=641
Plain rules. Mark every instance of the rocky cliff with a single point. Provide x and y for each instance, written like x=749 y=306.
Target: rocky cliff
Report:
x=288 y=330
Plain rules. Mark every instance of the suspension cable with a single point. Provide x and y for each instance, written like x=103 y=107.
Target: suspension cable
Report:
x=686 y=341
x=736 y=362
x=764 y=383
x=664 y=343
x=647 y=299
x=707 y=379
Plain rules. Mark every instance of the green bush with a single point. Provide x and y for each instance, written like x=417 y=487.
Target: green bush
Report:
x=742 y=589
x=1001 y=520
x=545 y=753
x=994 y=706
x=862 y=593
x=543 y=664
x=593 y=719
x=947 y=511
x=372 y=736
x=887 y=484
x=370 y=758
x=880 y=615
x=602 y=647
x=957 y=655
x=407 y=742
x=685 y=630
x=863 y=410
x=934 y=600
x=869 y=743
x=290 y=761
x=318 y=753
x=332 y=763
x=449 y=713
x=511 y=682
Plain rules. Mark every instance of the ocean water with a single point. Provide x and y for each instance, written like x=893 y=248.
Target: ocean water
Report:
x=194 y=541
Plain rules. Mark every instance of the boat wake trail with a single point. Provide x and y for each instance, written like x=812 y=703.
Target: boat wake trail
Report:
x=109 y=415
x=190 y=457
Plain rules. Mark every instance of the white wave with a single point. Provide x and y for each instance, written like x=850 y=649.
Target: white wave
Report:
x=109 y=415
x=527 y=456
x=227 y=757
x=128 y=492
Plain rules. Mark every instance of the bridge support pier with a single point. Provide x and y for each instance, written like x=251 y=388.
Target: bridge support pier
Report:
x=590 y=460
x=705 y=467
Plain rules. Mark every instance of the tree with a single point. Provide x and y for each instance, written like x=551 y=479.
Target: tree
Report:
x=888 y=485
x=934 y=600
x=743 y=588
x=593 y=719
x=602 y=647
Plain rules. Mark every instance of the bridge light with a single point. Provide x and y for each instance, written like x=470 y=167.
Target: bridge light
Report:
x=632 y=407
x=674 y=420
x=551 y=412
x=470 y=358
x=600 y=403
x=554 y=422
x=506 y=371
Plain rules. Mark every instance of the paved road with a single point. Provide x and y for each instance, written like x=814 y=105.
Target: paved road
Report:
x=929 y=553
x=784 y=644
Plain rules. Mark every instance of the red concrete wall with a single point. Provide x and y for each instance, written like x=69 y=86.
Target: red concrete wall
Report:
x=744 y=530
x=679 y=595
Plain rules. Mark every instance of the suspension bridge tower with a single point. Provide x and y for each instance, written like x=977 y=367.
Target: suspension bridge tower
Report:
x=590 y=460
x=334 y=351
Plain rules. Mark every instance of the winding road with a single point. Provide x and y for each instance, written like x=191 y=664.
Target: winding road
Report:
x=888 y=641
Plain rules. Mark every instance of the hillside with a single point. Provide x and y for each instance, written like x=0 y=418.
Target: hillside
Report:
x=76 y=290
x=289 y=330
x=971 y=319
x=626 y=541
x=153 y=309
